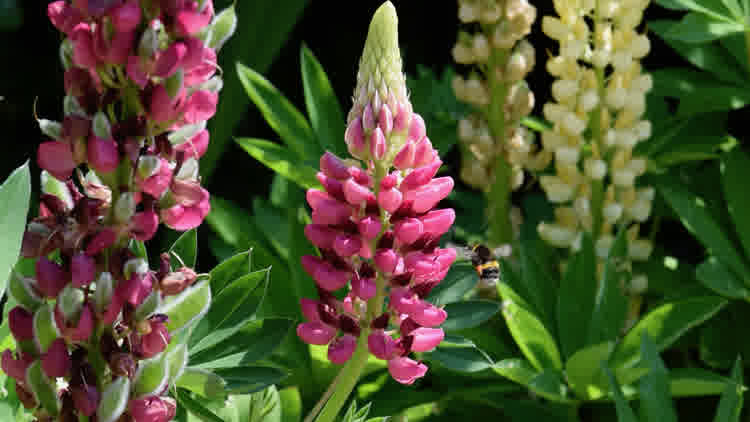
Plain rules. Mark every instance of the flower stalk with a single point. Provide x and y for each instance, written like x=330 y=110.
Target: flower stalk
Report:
x=89 y=322
x=599 y=101
x=377 y=230
x=495 y=147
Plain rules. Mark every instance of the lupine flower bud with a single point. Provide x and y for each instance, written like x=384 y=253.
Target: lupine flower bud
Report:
x=70 y=302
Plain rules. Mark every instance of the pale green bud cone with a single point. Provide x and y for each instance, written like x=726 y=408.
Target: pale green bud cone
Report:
x=380 y=68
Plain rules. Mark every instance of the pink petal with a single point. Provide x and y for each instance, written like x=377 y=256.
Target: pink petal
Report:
x=426 y=339
x=56 y=158
x=315 y=332
x=83 y=269
x=405 y=370
x=103 y=155
x=56 y=361
x=341 y=349
x=200 y=106
x=21 y=321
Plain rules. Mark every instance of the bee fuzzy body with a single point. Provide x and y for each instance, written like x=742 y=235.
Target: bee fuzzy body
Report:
x=486 y=265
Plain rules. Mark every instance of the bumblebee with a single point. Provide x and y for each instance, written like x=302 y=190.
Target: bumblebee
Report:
x=484 y=261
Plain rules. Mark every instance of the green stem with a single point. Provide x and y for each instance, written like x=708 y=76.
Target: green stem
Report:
x=747 y=46
x=500 y=229
x=597 y=186
x=348 y=379
x=498 y=198
x=350 y=373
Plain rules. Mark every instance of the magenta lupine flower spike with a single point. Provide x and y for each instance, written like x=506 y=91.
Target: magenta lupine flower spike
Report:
x=375 y=223
x=140 y=84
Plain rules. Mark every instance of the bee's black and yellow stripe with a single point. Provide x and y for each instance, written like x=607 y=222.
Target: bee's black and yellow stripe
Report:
x=487 y=267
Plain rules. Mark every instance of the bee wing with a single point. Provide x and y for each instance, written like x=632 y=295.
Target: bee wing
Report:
x=503 y=251
x=462 y=252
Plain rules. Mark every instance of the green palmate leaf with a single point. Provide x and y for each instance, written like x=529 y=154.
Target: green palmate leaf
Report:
x=532 y=337
x=656 y=403
x=699 y=28
x=299 y=284
x=203 y=382
x=324 y=109
x=291 y=404
x=281 y=160
x=730 y=403
x=235 y=227
x=697 y=138
x=249 y=379
x=255 y=341
x=280 y=187
x=576 y=299
x=719 y=344
x=14 y=205
x=550 y=384
x=711 y=57
x=610 y=306
x=694 y=382
x=712 y=8
x=665 y=324
x=230 y=310
x=152 y=376
x=195 y=407
x=547 y=383
x=461 y=278
x=229 y=270
x=186 y=248
x=280 y=114
x=469 y=314
x=465 y=357
x=624 y=411
x=692 y=211
x=433 y=98
x=187 y=307
x=698 y=92
x=735 y=44
x=271 y=222
x=264 y=26
x=263 y=406
x=735 y=169
x=584 y=371
x=535 y=274
x=517 y=370
x=511 y=286
x=734 y=7
x=717 y=277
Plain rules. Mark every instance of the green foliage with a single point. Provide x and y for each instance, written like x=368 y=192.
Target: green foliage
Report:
x=263 y=28
x=14 y=205
x=432 y=97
